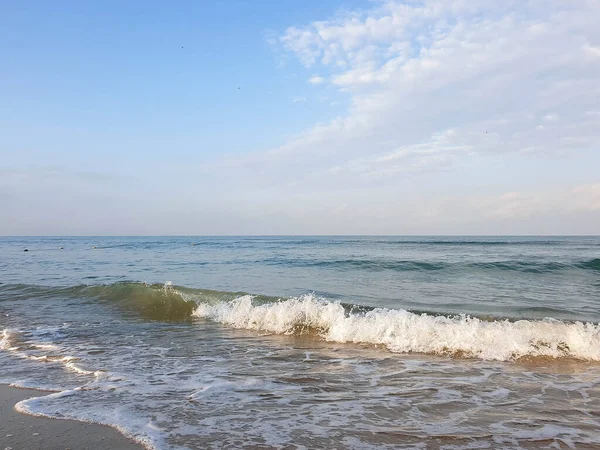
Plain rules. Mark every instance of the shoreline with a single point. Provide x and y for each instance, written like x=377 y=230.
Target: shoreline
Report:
x=20 y=431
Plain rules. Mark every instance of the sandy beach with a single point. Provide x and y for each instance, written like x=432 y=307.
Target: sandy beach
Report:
x=23 y=432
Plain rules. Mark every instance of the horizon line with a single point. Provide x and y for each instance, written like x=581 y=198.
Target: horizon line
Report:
x=286 y=235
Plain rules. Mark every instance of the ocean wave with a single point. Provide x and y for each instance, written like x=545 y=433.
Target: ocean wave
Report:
x=152 y=301
x=398 y=330
x=362 y=264
x=592 y=264
x=401 y=331
x=470 y=242
x=156 y=301
x=398 y=265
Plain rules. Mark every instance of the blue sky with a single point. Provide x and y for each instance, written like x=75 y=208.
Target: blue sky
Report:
x=423 y=117
x=119 y=72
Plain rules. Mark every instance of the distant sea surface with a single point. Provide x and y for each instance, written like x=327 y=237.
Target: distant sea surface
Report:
x=309 y=342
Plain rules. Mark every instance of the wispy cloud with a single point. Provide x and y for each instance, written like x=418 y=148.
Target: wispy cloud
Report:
x=582 y=198
x=496 y=73
x=53 y=174
x=436 y=87
x=316 y=79
x=592 y=51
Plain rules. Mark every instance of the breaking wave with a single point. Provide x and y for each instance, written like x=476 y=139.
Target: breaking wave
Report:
x=152 y=301
x=398 y=330
x=403 y=331
x=155 y=301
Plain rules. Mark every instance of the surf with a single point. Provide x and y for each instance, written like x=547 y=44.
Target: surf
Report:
x=402 y=331
x=396 y=330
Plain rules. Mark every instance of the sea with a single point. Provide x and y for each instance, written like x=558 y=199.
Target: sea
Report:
x=303 y=342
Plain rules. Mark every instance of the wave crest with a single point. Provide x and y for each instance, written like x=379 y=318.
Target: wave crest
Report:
x=158 y=302
x=402 y=331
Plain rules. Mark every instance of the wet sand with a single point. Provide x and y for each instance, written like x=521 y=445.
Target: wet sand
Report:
x=23 y=432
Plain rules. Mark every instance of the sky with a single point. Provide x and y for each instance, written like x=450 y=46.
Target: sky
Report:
x=412 y=117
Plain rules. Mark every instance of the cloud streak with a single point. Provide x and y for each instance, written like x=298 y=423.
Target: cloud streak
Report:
x=446 y=99
x=495 y=74
x=436 y=87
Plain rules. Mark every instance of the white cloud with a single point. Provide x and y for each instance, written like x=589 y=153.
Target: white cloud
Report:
x=582 y=198
x=592 y=51
x=316 y=79
x=551 y=117
x=490 y=71
x=587 y=197
x=444 y=97
x=463 y=117
x=436 y=153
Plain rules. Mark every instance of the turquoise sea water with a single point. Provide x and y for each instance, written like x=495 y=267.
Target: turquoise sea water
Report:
x=310 y=342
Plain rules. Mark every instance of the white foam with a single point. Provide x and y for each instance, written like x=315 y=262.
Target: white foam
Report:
x=402 y=331
x=49 y=352
x=50 y=347
x=75 y=368
x=8 y=336
x=222 y=388
x=31 y=406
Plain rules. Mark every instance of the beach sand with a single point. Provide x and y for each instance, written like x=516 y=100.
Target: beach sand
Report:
x=23 y=432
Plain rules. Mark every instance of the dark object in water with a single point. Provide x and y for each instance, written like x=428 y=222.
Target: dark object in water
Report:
x=25 y=250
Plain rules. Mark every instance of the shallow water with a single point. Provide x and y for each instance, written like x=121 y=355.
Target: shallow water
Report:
x=310 y=342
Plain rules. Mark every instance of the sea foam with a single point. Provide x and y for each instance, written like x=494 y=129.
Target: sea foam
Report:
x=402 y=331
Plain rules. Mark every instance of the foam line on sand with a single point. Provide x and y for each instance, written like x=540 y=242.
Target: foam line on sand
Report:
x=23 y=432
